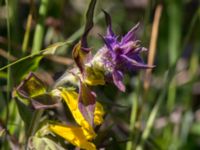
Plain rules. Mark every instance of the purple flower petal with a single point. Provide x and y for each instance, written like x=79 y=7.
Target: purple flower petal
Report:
x=117 y=78
x=134 y=63
x=130 y=35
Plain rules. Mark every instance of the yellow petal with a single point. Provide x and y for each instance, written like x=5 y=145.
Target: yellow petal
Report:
x=98 y=114
x=74 y=135
x=71 y=99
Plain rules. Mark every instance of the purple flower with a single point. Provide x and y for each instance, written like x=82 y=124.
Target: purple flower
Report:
x=119 y=55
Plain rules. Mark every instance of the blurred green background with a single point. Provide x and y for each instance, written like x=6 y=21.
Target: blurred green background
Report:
x=173 y=105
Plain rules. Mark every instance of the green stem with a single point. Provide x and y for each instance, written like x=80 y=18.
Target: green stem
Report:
x=134 y=110
x=171 y=96
x=129 y=144
x=9 y=69
x=34 y=124
x=39 y=31
x=153 y=114
x=28 y=28
x=174 y=11
x=37 y=44
x=52 y=48
x=191 y=27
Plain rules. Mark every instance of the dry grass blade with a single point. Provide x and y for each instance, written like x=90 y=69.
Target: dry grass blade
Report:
x=60 y=59
x=153 y=43
x=6 y=55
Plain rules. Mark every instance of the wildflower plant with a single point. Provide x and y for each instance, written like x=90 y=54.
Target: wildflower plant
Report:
x=88 y=91
x=109 y=64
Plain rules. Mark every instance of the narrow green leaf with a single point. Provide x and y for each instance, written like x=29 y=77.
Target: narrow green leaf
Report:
x=89 y=22
x=51 y=49
x=25 y=113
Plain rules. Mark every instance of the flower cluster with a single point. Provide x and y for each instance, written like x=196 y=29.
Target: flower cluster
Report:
x=116 y=57
x=109 y=64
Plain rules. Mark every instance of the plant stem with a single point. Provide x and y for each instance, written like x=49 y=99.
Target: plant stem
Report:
x=37 y=44
x=134 y=111
x=174 y=45
x=28 y=27
x=34 y=124
x=152 y=115
x=39 y=31
x=9 y=69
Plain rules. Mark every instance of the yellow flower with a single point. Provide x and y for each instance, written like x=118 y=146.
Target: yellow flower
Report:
x=78 y=135
x=98 y=114
x=74 y=135
x=71 y=99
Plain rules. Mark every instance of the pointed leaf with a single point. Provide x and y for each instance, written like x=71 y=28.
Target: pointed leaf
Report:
x=89 y=23
x=31 y=86
x=26 y=113
x=32 y=91
x=81 y=56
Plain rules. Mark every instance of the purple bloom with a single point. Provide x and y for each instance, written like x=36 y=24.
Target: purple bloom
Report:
x=119 y=56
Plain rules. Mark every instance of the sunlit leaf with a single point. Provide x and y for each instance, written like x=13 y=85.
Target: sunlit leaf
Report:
x=93 y=77
x=32 y=91
x=37 y=143
x=31 y=86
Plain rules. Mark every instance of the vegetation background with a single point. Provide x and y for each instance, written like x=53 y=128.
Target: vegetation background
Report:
x=159 y=110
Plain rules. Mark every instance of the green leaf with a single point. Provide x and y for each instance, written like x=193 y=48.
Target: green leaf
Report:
x=43 y=143
x=25 y=113
x=23 y=68
x=51 y=49
x=32 y=86
x=81 y=52
x=33 y=92
x=89 y=22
